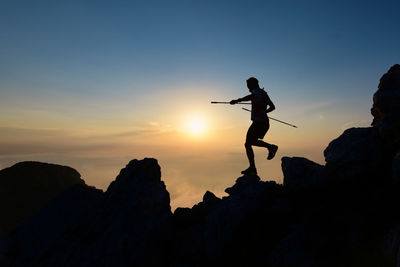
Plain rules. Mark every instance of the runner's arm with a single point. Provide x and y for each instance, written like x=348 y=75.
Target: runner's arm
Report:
x=246 y=98
x=271 y=106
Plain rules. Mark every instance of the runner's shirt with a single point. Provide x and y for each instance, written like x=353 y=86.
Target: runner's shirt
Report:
x=259 y=103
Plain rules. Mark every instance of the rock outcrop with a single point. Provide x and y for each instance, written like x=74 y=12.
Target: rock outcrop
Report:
x=358 y=152
x=301 y=173
x=342 y=213
x=129 y=224
x=27 y=186
x=386 y=107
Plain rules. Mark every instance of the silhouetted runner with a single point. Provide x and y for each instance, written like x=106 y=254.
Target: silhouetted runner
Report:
x=261 y=104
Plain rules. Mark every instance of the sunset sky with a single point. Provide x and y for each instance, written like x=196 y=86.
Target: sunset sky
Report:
x=94 y=84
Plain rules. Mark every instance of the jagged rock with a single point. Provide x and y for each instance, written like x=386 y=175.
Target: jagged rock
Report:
x=189 y=227
x=187 y=216
x=246 y=197
x=386 y=107
x=301 y=173
x=27 y=186
x=357 y=152
x=210 y=198
x=132 y=226
x=208 y=203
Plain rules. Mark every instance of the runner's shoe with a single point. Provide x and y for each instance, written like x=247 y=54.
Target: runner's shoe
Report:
x=272 y=151
x=250 y=171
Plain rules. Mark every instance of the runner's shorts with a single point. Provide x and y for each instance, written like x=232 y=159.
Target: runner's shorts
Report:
x=257 y=130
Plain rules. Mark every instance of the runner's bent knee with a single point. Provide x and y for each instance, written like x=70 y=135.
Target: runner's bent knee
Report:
x=250 y=142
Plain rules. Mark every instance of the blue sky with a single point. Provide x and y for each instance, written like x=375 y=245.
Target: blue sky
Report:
x=88 y=43
x=84 y=73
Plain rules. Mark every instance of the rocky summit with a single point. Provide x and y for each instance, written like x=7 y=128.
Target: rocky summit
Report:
x=342 y=213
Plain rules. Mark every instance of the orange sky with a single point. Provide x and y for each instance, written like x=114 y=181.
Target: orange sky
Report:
x=100 y=143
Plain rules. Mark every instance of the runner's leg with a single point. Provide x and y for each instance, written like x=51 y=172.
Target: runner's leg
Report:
x=251 y=138
x=261 y=143
x=261 y=130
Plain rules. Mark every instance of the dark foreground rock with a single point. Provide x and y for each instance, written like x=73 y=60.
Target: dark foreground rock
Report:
x=45 y=228
x=358 y=152
x=343 y=213
x=27 y=186
x=331 y=223
x=127 y=225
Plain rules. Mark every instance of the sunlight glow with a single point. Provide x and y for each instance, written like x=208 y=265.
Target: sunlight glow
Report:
x=196 y=126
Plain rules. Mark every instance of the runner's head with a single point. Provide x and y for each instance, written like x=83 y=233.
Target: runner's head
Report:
x=252 y=83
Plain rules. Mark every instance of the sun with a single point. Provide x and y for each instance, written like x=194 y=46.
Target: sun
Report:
x=196 y=126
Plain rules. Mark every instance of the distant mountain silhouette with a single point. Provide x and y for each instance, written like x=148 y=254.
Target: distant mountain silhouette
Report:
x=343 y=213
x=27 y=186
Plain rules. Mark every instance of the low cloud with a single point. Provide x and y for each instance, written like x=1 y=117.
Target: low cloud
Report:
x=42 y=148
x=183 y=194
x=23 y=132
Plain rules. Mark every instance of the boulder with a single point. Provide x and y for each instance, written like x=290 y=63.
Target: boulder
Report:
x=26 y=186
x=301 y=173
x=357 y=152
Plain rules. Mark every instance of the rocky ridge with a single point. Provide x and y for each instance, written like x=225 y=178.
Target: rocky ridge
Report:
x=343 y=213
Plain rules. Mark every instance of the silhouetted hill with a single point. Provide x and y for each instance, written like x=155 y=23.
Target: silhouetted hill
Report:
x=27 y=186
x=343 y=213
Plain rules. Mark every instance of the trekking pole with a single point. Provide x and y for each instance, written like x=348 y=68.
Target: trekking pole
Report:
x=275 y=119
x=216 y=102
